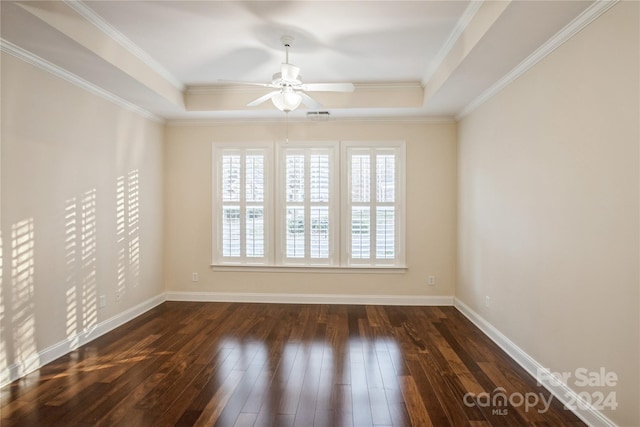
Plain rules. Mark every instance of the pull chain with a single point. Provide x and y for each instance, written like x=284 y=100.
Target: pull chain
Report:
x=286 y=124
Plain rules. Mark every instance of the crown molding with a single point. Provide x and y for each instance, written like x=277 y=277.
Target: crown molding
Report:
x=461 y=25
x=402 y=119
x=388 y=86
x=43 y=64
x=580 y=22
x=298 y=120
x=99 y=22
x=240 y=88
x=215 y=89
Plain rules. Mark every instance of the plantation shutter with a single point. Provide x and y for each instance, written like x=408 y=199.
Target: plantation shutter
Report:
x=242 y=225
x=373 y=205
x=309 y=205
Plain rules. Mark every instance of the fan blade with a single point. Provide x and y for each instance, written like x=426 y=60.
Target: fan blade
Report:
x=289 y=72
x=237 y=82
x=263 y=98
x=328 y=87
x=309 y=101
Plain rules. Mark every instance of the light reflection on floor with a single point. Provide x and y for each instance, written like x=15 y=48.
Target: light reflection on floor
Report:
x=309 y=377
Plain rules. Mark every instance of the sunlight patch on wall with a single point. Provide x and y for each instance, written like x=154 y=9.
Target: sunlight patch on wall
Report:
x=23 y=293
x=80 y=259
x=121 y=236
x=133 y=218
x=88 y=240
x=128 y=231
x=71 y=259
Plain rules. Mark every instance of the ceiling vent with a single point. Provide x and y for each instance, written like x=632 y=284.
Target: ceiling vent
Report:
x=318 y=116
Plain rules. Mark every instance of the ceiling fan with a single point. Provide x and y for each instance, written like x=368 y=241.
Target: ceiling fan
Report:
x=290 y=91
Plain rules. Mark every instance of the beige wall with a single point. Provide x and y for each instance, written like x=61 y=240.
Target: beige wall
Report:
x=81 y=210
x=549 y=207
x=431 y=210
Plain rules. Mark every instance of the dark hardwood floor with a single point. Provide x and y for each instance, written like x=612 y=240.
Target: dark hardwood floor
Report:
x=231 y=364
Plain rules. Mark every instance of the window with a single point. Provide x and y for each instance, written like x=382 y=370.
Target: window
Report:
x=330 y=204
x=241 y=203
x=373 y=208
x=308 y=204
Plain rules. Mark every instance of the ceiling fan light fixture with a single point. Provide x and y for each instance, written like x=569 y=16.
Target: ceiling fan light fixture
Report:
x=286 y=100
x=289 y=91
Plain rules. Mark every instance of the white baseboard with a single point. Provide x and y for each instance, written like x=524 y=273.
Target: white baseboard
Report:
x=49 y=354
x=310 y=298
x=562 y=392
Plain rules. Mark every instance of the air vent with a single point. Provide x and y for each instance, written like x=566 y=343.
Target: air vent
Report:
x=318 y=116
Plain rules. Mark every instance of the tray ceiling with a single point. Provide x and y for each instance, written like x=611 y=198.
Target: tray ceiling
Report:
x=413 y=58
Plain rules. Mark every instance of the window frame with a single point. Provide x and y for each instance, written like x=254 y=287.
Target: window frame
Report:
x=333 y=148
x=217 y=203
x=339 y=260
x=398 y=149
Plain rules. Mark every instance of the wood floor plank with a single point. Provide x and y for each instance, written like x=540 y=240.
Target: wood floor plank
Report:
x=380 y=413
x=324 y=405
x=245 y=420
x=360 y=399
x=269 y=410
x=293 y=387
x=233 y=408
x=277 y=338
x=343 y=405
x=415 y=403
x=235 y=364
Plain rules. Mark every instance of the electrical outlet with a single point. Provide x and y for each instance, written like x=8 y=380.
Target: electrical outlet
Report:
x=431 y=280
x=195 y=277
x=487 y=301
x=102 y=301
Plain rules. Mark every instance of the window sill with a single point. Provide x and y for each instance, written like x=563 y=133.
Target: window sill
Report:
x=307 y=269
